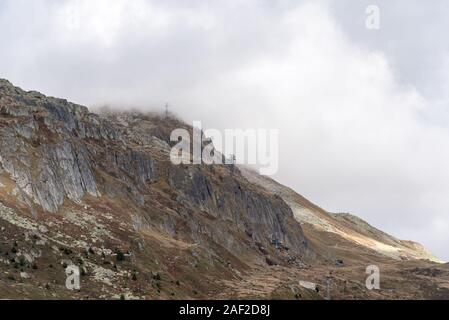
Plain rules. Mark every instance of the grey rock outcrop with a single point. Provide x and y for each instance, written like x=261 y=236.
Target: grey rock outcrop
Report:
x=56 y=151
x=45 y=148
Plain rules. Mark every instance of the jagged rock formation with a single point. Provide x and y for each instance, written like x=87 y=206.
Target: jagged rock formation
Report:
x=343 y=225
x=51 y=149
x=99 y=191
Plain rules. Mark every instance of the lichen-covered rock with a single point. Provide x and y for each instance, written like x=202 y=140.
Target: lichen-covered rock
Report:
x=57 y=152
x=262 y=217
x=46 y=148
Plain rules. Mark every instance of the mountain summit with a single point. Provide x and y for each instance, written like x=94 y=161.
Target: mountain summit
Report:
x=98 y=191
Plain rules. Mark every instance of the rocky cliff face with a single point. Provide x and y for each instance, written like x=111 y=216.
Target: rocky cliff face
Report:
x=56 y=151
x=56 y=157
x=41 y=149
x=99 y=191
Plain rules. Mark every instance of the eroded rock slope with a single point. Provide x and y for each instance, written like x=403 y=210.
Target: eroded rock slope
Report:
x=62 y=167
x=98 y=191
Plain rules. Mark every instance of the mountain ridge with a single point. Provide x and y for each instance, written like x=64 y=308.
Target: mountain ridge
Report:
x=99 y=191
x=307 y=212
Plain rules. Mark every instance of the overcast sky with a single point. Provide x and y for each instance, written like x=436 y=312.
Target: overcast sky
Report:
x=363 y=113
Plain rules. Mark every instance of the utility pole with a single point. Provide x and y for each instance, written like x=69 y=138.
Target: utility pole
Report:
x=233 y=159
x=328 y=287
x=275 y=240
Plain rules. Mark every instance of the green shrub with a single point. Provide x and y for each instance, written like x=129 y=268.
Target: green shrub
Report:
x=120 y=256
x=156 y=276
x=22 y=261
